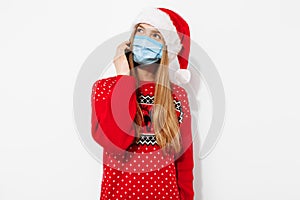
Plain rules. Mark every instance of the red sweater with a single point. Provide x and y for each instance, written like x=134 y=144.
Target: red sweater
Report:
x=139 y=170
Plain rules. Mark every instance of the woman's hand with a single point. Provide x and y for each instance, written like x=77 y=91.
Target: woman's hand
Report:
x=120 y=60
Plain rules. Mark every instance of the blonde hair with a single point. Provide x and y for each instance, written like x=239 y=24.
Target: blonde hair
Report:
x=164 y=118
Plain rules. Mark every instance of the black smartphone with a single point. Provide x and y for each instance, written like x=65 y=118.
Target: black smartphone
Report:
x=127 y=51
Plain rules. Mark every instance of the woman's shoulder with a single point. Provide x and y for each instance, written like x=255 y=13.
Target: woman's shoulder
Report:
x=178 y=90
x=115 y=78
x=180 y=93
x=110 y=82
x=103 y=83
x=106 y=79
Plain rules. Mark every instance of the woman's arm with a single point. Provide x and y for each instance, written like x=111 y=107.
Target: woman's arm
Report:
x=185 y=163
x=113 y=102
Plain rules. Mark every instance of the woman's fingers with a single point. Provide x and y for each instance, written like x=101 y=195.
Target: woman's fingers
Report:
x=124 y=46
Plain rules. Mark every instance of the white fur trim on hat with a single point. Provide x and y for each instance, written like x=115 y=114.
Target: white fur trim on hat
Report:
x=183 y=76
x=165 y=26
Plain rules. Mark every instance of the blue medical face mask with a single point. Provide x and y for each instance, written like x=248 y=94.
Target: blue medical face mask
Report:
x=146 y=50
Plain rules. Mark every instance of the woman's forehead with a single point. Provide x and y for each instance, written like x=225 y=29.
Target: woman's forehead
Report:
x=147 y=26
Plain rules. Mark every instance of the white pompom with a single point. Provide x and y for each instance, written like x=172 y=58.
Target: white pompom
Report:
x=183 y=76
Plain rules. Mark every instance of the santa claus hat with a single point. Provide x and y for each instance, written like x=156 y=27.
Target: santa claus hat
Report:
x=176 y=33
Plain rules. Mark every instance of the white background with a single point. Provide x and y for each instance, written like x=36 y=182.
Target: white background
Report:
x=254 y=45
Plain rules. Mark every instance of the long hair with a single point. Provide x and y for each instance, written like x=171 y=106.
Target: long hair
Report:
x=164 y=118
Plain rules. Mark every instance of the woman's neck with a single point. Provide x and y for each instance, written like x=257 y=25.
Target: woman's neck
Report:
x=147 y=72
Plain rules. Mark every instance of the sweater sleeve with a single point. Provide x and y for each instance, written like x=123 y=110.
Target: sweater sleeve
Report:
x=113 y=102
x=185 y=163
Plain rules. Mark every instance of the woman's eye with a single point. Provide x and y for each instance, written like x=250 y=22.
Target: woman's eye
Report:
x=139 y=30
x=157 y=36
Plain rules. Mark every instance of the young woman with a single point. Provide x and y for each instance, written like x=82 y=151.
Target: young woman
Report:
x=141 y=118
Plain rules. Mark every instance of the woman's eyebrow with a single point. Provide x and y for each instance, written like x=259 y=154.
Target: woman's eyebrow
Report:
x=155 y=31
x=141 y=26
